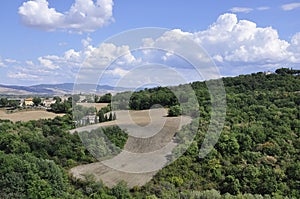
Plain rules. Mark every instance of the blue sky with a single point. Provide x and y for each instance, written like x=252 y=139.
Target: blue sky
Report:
x=48 y=41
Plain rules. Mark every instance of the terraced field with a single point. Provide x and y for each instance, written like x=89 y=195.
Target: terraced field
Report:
x=150 y=141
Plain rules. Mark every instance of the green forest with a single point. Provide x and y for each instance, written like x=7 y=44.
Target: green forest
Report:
x=256 y=156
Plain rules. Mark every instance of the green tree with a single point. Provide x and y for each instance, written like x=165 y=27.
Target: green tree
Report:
x=174 y=111
x=36 y=101
x=101 y=116
x=105 y=98
x=3 y=102
x=121 y=191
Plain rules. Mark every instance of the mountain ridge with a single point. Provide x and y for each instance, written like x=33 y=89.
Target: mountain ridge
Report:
x=58 y=89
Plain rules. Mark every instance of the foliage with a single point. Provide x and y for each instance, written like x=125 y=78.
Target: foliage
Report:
x=61 y=107
x=104 y=143
x=120 y=191
x=116 y=135
x=4 y=102
x=36 y=101
x=256 y=155
x=25 y=176
x=147 y=98
x=105 y=114
x=174 y=111
x=284 y=71
x=106 y=98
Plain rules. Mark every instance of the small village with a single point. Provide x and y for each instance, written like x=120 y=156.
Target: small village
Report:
x=30 y=102
x=87 y=109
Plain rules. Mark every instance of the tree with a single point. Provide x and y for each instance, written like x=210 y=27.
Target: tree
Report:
x=110 y=116
x=174 y=111
x=36 y=101
x=57 y=99
x=231 y=185
x=13 y=103
x=3 y=102
x=61 y=107
x=120 y=191
x=101 y=116
x=105 y=98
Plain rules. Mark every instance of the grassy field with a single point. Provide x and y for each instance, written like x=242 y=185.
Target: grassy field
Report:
x=149 y=142
x=25 y=116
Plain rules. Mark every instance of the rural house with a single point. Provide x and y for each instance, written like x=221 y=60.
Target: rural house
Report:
x=28 y=102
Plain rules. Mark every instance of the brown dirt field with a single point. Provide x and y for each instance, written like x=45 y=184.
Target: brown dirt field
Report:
x=98 y=106
x=26 y=116
x=111 y=176
x=149 y=142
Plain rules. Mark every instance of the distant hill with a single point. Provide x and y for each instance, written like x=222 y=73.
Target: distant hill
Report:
x=58 y=89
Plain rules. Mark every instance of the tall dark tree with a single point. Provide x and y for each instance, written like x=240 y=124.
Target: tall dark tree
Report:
x=36 y=101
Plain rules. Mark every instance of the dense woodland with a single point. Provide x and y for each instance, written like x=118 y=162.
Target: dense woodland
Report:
x=257 y=155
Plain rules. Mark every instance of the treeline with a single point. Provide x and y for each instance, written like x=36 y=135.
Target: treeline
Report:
x=147 y=98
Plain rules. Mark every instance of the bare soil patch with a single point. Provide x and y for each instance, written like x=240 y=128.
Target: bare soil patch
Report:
x=150 y=141
x=26 y=116
x=98 y=106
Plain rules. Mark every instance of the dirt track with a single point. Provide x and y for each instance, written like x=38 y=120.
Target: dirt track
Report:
x=149 y=142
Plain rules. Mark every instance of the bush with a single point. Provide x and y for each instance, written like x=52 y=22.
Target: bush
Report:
x=174 y=111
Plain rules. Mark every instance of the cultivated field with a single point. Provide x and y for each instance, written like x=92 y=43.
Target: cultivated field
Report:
x=25 y=116
x=149 y=142
x=98 y=106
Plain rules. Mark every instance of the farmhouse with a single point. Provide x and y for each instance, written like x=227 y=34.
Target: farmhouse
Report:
x=28 y=102
x=89 y=119
x=48 y=102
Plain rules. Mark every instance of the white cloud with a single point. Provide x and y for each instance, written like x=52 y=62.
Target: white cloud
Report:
x=10 y=61
x=106 y=53
x=241 y=9
x=106 y=57
x=83 y=16
x=30 y=63
x=1 y=63
x=263 y=8
x=119 y=72
x=47 y=63
x=236 y=41
x=290 y=6
x=86 y=42
x=22 y=76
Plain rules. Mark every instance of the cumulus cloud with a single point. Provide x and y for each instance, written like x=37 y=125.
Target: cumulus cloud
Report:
x=47 y=63
x=290 y=6
x=236 y=41
x=83 y=16
x=119 y=72
x=106 y=53
x=241 y=9
x=107 y=58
